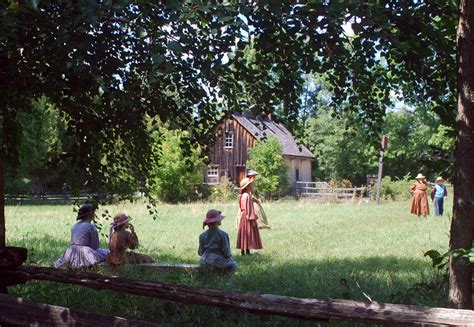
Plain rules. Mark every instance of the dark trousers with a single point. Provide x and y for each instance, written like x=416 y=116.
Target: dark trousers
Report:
x=438 y=206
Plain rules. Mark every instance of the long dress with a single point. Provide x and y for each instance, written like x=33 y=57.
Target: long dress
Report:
x=419 y=203
x=83 y=250
x=214 y=249
x=120 y=241
x=248 y=236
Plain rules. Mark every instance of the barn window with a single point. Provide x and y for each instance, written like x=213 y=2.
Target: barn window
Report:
x=229 y=140
x=297 y=174
x=213 y=171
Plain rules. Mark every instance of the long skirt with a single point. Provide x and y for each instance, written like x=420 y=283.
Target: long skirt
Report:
x=419 y=204
x=77 y=256
x=217 y=260
x=136 y=258
x=262 y=220
x=438 y=206
x=248 y=236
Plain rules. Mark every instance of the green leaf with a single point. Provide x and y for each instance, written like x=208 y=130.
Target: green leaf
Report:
x=175 y=47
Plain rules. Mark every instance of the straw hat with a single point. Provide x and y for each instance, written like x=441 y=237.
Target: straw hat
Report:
x=245 y=182
x=120 y=219
x=420 y=176
x=251 y=173
x=439 y=179
x=213 y=216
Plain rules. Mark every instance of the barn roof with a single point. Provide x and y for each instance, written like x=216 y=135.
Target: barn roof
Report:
x=264 y=127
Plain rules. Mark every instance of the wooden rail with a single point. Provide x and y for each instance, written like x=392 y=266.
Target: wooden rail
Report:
x=19 y=312
x=311 y=309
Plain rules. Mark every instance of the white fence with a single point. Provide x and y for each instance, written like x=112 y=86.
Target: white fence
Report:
x=323 y=189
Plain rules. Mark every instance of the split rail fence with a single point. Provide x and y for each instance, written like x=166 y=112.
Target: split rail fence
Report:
x=13 y=310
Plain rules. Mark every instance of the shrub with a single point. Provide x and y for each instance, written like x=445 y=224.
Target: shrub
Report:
x=176 y=173
x=224 y=191
x=266 y=158
x=397 y=190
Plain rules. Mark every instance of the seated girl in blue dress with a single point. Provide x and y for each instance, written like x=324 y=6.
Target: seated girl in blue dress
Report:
x=214 y=245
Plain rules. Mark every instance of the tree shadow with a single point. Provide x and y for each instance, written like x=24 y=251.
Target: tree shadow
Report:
x=373 y=278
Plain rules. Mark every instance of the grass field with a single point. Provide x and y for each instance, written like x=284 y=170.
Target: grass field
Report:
x=313 y=250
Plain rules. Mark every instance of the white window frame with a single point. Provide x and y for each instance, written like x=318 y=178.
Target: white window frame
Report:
x=228 y=140
x=213 y=171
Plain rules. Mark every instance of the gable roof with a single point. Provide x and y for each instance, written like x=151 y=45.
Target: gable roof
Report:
x=265 y=127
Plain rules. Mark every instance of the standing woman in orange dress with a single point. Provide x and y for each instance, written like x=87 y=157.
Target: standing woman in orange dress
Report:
x=248 y=236
x=419 y=203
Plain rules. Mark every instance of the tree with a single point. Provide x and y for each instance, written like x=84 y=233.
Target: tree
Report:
x=175 y=176
x=109 y=64
x=266 y=158
x=418 y=142
x=462 y=224
x=342 y=148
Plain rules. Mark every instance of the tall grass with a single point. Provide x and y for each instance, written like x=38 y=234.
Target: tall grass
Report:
x=314 y=250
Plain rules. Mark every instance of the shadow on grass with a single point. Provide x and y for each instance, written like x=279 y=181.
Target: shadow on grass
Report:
x=379 y=279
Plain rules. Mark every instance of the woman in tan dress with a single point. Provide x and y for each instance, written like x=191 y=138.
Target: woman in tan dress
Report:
x=419 y=203
x=248 y=236
x=262 y=220
x=120 y=240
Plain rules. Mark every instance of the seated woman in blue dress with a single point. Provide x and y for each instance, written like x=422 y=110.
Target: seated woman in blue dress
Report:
x=214 y=245
x=83 y=250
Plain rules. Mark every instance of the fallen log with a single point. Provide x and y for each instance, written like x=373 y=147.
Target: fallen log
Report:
x=311 y=309
x=18 y=312
x=187 y=267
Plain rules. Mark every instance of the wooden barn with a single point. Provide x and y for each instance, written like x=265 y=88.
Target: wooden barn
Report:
x=238 y=133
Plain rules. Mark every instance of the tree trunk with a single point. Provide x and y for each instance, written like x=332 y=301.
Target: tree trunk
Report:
x=462 y=225
x=19 y=312
x=2 y=185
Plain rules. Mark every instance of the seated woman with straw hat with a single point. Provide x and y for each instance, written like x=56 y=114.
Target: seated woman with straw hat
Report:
x=214 y=244
x=120 y=240
x=83 y=250
x=419 y=203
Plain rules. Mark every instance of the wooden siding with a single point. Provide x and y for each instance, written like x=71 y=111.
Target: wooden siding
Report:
x=304 y=167
x=229 y=159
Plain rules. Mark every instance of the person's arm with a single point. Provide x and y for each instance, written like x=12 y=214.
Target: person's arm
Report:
x=93 y=237
x=132 y=238
x=226 y=246
x=412 y=188
x=201 y=247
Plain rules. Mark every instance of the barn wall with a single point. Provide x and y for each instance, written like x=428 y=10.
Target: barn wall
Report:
x=231 y=161
x=304 y=167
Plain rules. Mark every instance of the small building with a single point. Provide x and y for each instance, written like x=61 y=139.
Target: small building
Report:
x=237 y=133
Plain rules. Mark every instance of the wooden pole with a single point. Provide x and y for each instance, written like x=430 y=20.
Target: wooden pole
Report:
x=19 y=312
x=379 y=177
x=311 y=309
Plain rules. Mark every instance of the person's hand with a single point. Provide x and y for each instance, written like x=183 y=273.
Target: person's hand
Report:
x=445 y=198
x=253 y=223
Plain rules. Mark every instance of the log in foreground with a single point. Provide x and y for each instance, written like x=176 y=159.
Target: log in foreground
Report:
x=260 y=303
x=18 y=312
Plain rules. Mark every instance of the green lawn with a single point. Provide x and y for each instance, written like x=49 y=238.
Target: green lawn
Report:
x=313 y=250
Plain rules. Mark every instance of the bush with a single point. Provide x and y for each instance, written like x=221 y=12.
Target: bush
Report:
x=266 y=158
x=176 y=173
x=397 y=190
x=224 y=191
x=343 y=183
